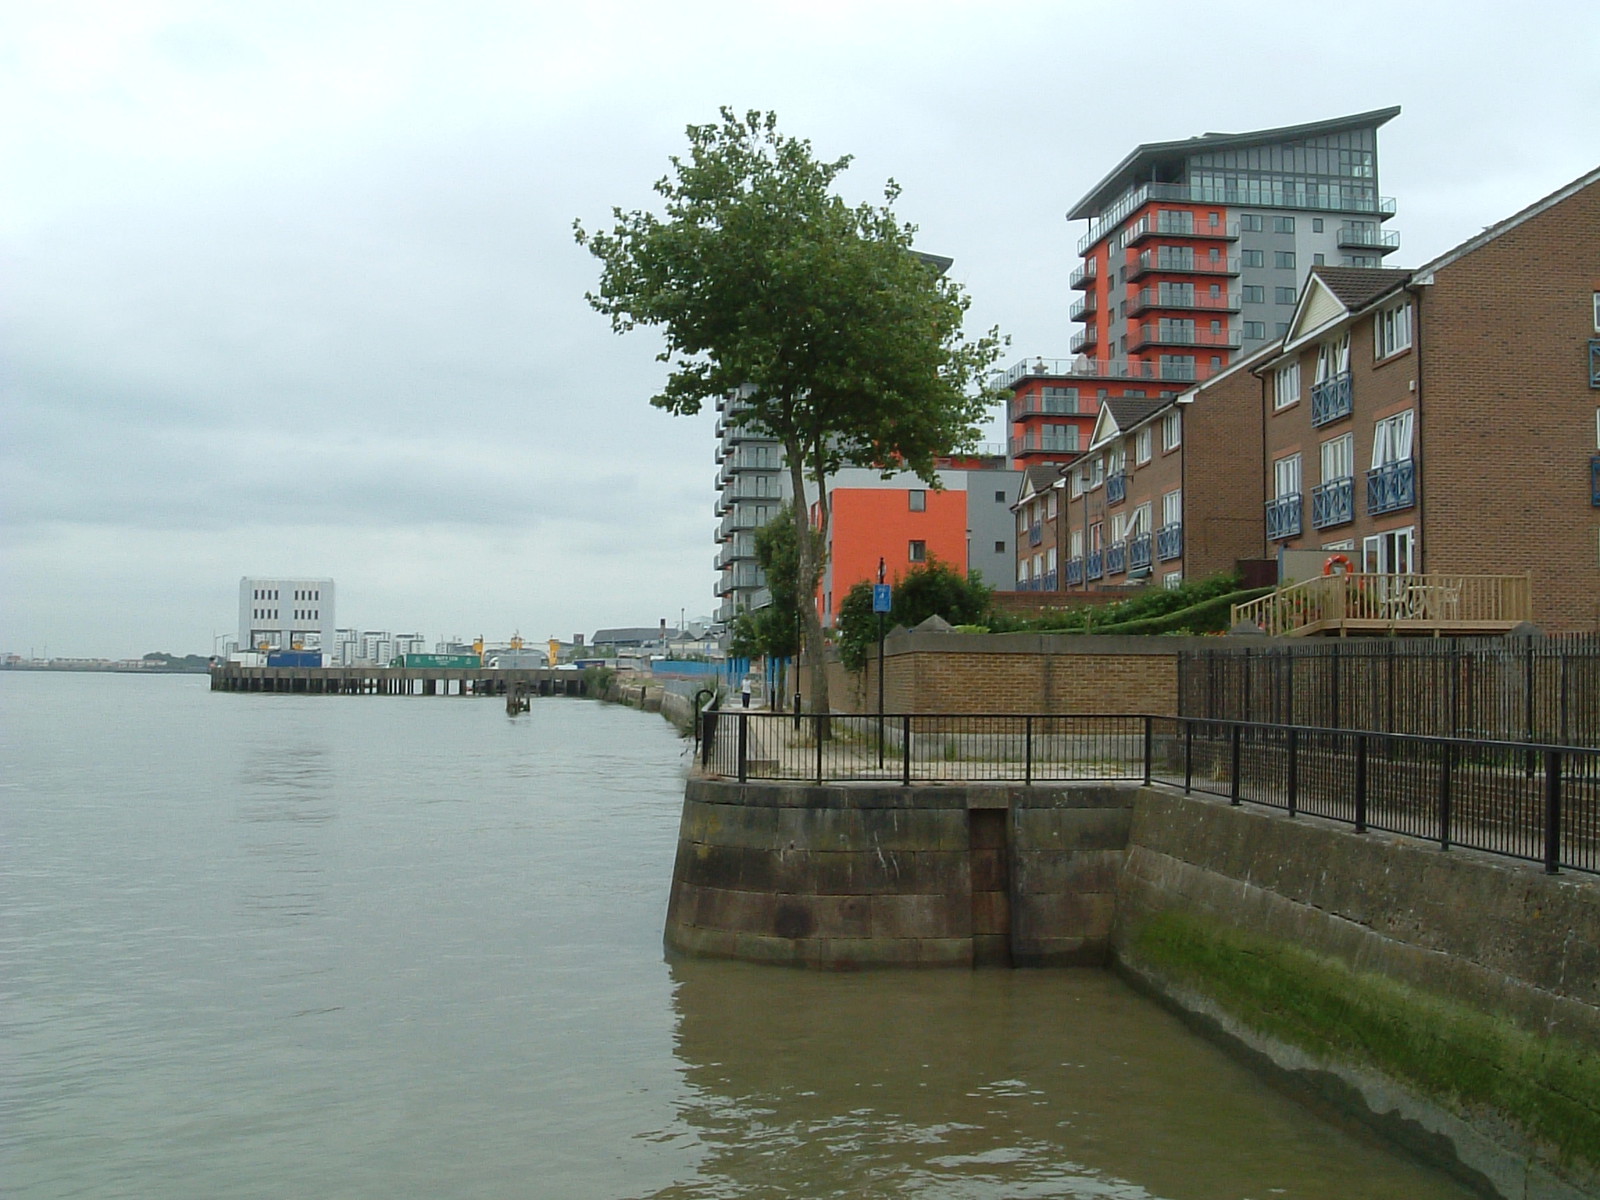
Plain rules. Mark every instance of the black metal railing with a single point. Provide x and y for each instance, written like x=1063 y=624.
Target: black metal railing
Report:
x=1539 y=803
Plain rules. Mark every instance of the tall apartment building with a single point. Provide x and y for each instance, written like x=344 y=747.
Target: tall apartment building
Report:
x=286 y=614
x=1195 y=254
x=752 y=483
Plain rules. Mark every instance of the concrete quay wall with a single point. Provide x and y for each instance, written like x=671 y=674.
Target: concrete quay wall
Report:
x=1451 y=1000
x=850 y=876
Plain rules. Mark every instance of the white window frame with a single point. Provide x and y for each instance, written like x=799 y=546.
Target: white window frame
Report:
x=1286 y=476
x=1139 y=520
x=1391 y=330
x=1172 y=580
x=1392 y=438
x=1333 y=358
x=1075 y=544
x=1172 y=507
x=1172 y=430
x=1392 y=552
x=1050 y=505
x=1338 y=458
x=1286 y=385
x=1141 y=446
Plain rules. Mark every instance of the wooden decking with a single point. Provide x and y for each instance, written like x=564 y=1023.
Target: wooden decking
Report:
x=1433 y=604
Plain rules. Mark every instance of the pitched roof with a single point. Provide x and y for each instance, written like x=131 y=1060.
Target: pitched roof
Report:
x=1148 y=155
x=1036 y=478
x=1129 y=411
x=1424 y=274
x=1355 y=287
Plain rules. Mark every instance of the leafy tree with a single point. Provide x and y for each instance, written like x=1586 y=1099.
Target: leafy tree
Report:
x=930 y=589
x=845 y=345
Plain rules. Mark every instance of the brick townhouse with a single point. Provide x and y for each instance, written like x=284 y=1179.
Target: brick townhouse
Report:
x=1168 y=489
x=1445 y=419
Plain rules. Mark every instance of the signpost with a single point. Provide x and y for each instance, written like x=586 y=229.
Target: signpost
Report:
x=882 y=601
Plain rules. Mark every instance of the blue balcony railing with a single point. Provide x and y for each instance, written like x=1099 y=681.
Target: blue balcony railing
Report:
x=1392 y=487
x=1074 y=571
x=1035 y=533
x=1331 y=399
x=1169 y=542
x=1116 y=488
x=1050 y=581
x=1334 y=502
x=1138 y=551
x=1094 y=566
x=1116 y=558
x=1283 y=517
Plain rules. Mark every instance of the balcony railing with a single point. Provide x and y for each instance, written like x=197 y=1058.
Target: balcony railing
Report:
x=1035 y=533
x=1153 y=334
x=1082 y=309
x=1332 y=398
x=1392 y=487
x=1138 y=551
x=1283 y=517
x=1371 y=603
x=1083 y=339
x=1264 y=194
x=1034 y=442
x=1074 y=571
x=1084 y=275
x=1169 y=542
x=1116 y=487
x=1034 y=405
x=1049 y=582
x=1334 y=502
x=1149 y=298
x=1116 y=558
x=1164 y=225
x=1356 y=237
x=1094 y=566
x=1181 y=264
x=1594 y=362
x=1033 y=368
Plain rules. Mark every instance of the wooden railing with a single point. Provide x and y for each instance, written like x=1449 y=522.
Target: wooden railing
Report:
x=1366 y=603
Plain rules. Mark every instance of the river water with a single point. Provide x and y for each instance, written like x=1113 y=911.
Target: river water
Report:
x=367 y=947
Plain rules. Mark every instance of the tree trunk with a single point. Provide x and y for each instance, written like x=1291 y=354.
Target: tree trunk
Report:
x=809 y=551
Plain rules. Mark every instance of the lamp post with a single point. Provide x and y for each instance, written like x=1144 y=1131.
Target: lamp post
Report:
x=880 y=606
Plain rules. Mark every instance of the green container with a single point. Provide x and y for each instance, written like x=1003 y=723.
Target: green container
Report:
x=437 y=660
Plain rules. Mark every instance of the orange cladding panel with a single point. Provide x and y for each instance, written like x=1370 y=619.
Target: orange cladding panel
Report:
x=871 y=522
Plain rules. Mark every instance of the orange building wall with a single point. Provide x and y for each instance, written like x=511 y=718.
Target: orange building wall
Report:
x=869 y=522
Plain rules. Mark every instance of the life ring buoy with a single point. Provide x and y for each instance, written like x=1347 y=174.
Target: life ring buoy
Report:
x=1337 y=560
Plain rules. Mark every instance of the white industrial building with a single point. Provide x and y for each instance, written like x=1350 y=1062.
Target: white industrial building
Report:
x=286 y=614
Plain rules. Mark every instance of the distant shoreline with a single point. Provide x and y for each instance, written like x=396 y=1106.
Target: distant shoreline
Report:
x=107 y=669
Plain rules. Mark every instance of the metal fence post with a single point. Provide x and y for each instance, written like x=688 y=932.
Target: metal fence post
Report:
x=816 y=731
x=1446 y=770
x=1027 y=749
x=1188 y=755
x=1233 y=784
x=905 y=750
x=1149 y=735
x=1552 y=811
x=1361 y=783
x=744 y=747
x=1294 y=770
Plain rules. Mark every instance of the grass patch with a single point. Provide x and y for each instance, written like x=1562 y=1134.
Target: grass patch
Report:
x=1466 y=1060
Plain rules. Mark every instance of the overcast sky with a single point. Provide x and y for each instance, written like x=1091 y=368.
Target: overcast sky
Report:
x=290 y=288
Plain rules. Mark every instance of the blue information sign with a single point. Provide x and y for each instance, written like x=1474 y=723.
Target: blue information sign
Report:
x=882 y=597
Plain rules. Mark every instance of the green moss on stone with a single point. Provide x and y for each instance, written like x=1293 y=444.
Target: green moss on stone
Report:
x=1469 y=1061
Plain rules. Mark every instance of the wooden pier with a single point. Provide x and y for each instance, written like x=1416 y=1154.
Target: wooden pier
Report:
x=400 y=681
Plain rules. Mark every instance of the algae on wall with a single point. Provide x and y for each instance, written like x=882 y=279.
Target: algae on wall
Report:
x=1467 y=1061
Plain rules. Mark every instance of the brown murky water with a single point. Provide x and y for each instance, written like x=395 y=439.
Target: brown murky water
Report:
x=264 y=946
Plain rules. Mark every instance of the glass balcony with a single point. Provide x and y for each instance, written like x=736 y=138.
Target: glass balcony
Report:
x=1169 y=542
x=1331 y=399
x=1116 y=368
x=1044 y=406
x=1186 y=334
x=1116 y=558
x=1035 y=442
x=1392 y=487
x=1083 y=339
x=1334 y=502
x=1074 y=571
x=1094 y=566
x=1083 y=309
x=1116 y=488
x=1148 y=298
x=1171 y=225
x=1283 y=517
x=1357 y=237
x=1083 y=277
x=1139 y=551
x=1282 y=192
x=1152 y=261
x=1035 y=368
